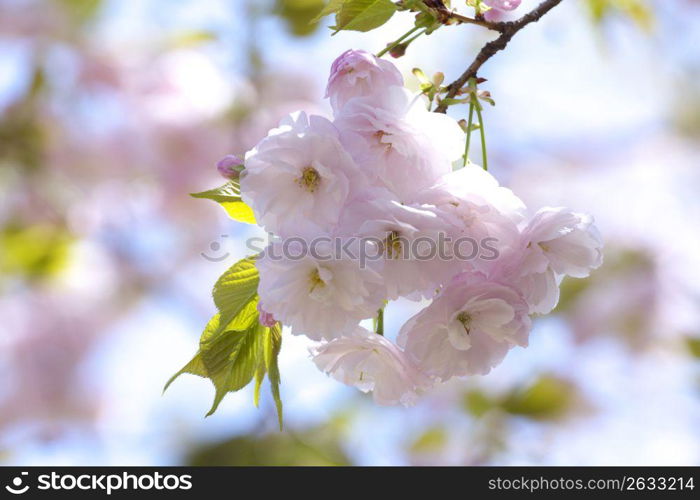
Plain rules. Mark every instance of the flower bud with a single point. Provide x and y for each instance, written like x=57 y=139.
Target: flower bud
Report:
x=266 y=318
x=230 y=167
x=398 y=50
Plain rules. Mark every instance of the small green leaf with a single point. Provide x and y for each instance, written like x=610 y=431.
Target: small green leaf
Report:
x=363 y=15
x=275 y=344
x=421 y=76
x=231 y=359
x=194 y=367
x=331 y=7
x=236 y=289
x=229 y=197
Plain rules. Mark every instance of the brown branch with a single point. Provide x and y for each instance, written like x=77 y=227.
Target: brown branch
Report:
x=508 y=31
x=460 y=19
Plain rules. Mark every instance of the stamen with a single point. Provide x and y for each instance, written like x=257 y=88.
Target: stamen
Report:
x=379 y=135
x=394 y=246
x=310 y=179
x=315 y=280
x=465 y=319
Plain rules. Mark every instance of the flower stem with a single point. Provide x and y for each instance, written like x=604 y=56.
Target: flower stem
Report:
x=469 y=133
x=401 y=39
x=481 y=131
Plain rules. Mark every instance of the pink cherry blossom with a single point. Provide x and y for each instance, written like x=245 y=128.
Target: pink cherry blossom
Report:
x=317 y=295
x=356 y=73
x=298 y=178
x=399 y=145
x=468 y=329
x=373 y=363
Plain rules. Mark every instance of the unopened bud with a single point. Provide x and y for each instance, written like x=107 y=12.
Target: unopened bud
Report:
x=230 y=167
x=398 y=50
x=266 y=318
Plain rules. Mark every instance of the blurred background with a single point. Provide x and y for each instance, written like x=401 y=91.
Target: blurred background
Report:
x=111 y=112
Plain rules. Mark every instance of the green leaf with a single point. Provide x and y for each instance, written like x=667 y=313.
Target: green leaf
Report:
x=231 y=359
x=229 y=197
x=194 y=367
x=235 y=348
x=331 y=7
x=271 y=354
x=234 y=292
x=363 y=15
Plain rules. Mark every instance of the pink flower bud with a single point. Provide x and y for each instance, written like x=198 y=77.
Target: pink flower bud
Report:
x=266 y=318
x=498 y=8
x=227 y=167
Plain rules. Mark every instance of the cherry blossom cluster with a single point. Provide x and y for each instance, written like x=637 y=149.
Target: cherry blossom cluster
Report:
x=381 y=174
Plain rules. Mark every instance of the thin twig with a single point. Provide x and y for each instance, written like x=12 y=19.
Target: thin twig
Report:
x=507 y=30
x=448 y=16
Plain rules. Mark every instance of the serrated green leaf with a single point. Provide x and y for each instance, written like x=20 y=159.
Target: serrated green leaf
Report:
x=272 y=353
x=229 y=197
x=231 y=359
x=363 y=15
x=235 y=348
x=235 y=290
x=259 y=377
x=194 y=367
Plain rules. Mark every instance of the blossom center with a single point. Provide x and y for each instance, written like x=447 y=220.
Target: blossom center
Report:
x=394 y=245
x=316 y=280
x=466 y=319
x=310 y=179
x=379 y=135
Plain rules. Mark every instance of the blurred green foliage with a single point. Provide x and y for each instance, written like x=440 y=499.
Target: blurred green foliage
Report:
x=316 y=446
x=639 y=11
x=430 y=441
x=478 y=403
x=693 y=345
x=21 y=136
x=81 y=11
x=549 y=397
x=618 y=263
x=299 y=15
x=33 y=252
